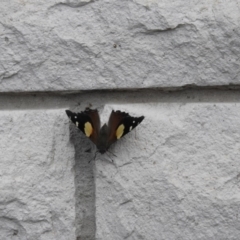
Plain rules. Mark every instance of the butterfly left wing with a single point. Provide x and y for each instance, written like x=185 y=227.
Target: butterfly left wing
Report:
x=121 y=123
x=87 y=121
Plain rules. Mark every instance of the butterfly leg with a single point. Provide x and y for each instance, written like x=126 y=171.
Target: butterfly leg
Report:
x=88 y=150
x=94 y=158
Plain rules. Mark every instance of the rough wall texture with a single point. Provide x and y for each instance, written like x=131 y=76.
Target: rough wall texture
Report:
x=37 y=182
x=180 y=180
x=176 y=176
x=68 y=45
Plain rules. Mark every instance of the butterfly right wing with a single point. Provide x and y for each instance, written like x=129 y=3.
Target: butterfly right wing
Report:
x=120 y=123
x=87 y=121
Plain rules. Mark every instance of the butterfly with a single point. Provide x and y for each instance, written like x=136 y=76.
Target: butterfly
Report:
x=119 y=124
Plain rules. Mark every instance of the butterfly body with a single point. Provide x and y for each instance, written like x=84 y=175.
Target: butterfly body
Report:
x=102 y=141
x=119 y=124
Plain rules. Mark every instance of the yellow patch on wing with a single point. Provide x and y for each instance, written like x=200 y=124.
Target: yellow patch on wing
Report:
x=120 y=131
x=88 y=129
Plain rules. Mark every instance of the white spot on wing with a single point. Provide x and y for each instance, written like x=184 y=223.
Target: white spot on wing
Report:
x=77 y=124
x=130 y=128
x=75 y=116
x=133 y=121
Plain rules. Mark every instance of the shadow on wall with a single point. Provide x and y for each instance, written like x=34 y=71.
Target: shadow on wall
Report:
x=84 y=185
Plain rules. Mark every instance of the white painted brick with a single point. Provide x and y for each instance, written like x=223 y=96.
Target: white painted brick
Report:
x=37 y=181
x=76 y=45
x=176 y=176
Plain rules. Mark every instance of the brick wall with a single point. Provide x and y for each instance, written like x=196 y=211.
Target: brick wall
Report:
x=176 y=176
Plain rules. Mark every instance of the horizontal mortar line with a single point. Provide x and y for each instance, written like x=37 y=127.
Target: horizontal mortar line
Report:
x=163 y=89
x=96 y=99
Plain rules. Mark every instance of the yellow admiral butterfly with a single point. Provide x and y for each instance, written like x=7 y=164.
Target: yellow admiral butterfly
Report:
x=119 y=124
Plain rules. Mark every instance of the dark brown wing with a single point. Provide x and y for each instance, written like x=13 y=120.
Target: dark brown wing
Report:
x=87 y=121
x=121 y=123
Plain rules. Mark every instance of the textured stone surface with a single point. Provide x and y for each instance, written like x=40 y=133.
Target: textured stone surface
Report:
x=75 y=45
x=176 y=176
x=37 y=178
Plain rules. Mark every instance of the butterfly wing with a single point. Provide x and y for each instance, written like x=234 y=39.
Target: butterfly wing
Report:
x=121 y=123
x=87 y=121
